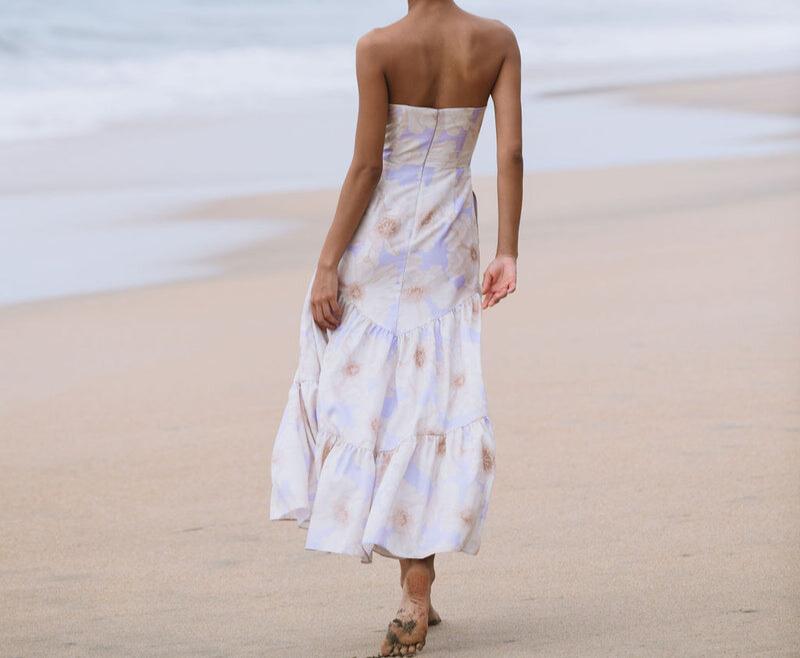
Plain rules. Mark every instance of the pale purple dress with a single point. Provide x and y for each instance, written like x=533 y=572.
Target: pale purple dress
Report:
x=385 y=443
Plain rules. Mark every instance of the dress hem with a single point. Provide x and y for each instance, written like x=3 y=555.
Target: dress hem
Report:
x=366 y=556
x=472 y=458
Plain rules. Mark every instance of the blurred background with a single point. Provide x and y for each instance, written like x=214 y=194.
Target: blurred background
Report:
x=114 y=113
x=168 y=169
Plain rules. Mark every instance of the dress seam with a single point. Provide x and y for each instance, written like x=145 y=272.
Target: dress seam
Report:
x=327 y=434
x=414 y=227
x=456 y=307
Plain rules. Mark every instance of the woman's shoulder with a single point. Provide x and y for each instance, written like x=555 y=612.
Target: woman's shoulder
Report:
x=483 y=42
x=494 y=29
x=485 y=28
x=376 y=41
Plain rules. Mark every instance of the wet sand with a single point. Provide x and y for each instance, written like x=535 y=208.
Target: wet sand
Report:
x=765 y=93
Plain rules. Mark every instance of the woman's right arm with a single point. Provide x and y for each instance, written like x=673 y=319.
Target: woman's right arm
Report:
x=500 y=278
x=359 y=184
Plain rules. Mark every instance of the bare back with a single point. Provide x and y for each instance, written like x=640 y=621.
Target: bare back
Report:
x=441 y=56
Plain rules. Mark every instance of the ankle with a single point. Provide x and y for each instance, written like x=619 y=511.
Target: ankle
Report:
x=417 y=585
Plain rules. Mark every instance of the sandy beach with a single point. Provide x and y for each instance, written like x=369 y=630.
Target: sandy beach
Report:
x=644 y=384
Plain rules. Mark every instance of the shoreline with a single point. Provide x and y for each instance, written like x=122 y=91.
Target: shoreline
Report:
x=155 y=205
x=180 y=220
x=305 y=217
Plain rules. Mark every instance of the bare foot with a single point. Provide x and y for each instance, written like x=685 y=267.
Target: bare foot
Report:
x=406 y=633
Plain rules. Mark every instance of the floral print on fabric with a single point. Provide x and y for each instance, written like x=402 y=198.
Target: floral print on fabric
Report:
x=385 y=443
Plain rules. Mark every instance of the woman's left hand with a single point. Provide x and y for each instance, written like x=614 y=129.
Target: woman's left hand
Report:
x=325 y=298
x=499 y=280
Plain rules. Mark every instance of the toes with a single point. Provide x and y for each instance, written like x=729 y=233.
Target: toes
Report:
x=390 y=643
x=402 y=649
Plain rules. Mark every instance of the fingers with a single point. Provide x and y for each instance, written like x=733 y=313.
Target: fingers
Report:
x=327 y=313
x=493 y=296
x=488 y=279
x=497 y=293
x=331 y=315
x=337 y=309
x=488 y=282
x=488 y=297
x=319 y=319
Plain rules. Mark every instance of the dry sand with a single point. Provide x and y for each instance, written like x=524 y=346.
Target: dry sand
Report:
x=644 y=384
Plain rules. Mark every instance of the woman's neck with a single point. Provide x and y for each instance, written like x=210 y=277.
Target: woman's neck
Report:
x=414 y=5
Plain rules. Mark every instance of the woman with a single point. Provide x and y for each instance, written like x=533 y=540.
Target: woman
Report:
x=385 y=444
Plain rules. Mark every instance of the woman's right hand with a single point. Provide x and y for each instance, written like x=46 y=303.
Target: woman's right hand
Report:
x=325 y=298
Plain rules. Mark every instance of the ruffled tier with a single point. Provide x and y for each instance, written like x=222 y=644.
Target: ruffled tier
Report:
x=385 y=444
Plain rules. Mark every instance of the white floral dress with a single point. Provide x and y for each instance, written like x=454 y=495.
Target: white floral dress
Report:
x=385 y=444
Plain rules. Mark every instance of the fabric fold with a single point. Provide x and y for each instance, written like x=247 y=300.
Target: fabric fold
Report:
x=293 y=454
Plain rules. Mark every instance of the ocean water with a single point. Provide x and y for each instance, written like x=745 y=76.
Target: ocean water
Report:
x=73 y=66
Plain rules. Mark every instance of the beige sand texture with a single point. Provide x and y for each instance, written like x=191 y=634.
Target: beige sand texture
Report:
x=644 y=383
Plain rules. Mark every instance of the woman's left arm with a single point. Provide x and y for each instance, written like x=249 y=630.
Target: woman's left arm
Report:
x=362 y=177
